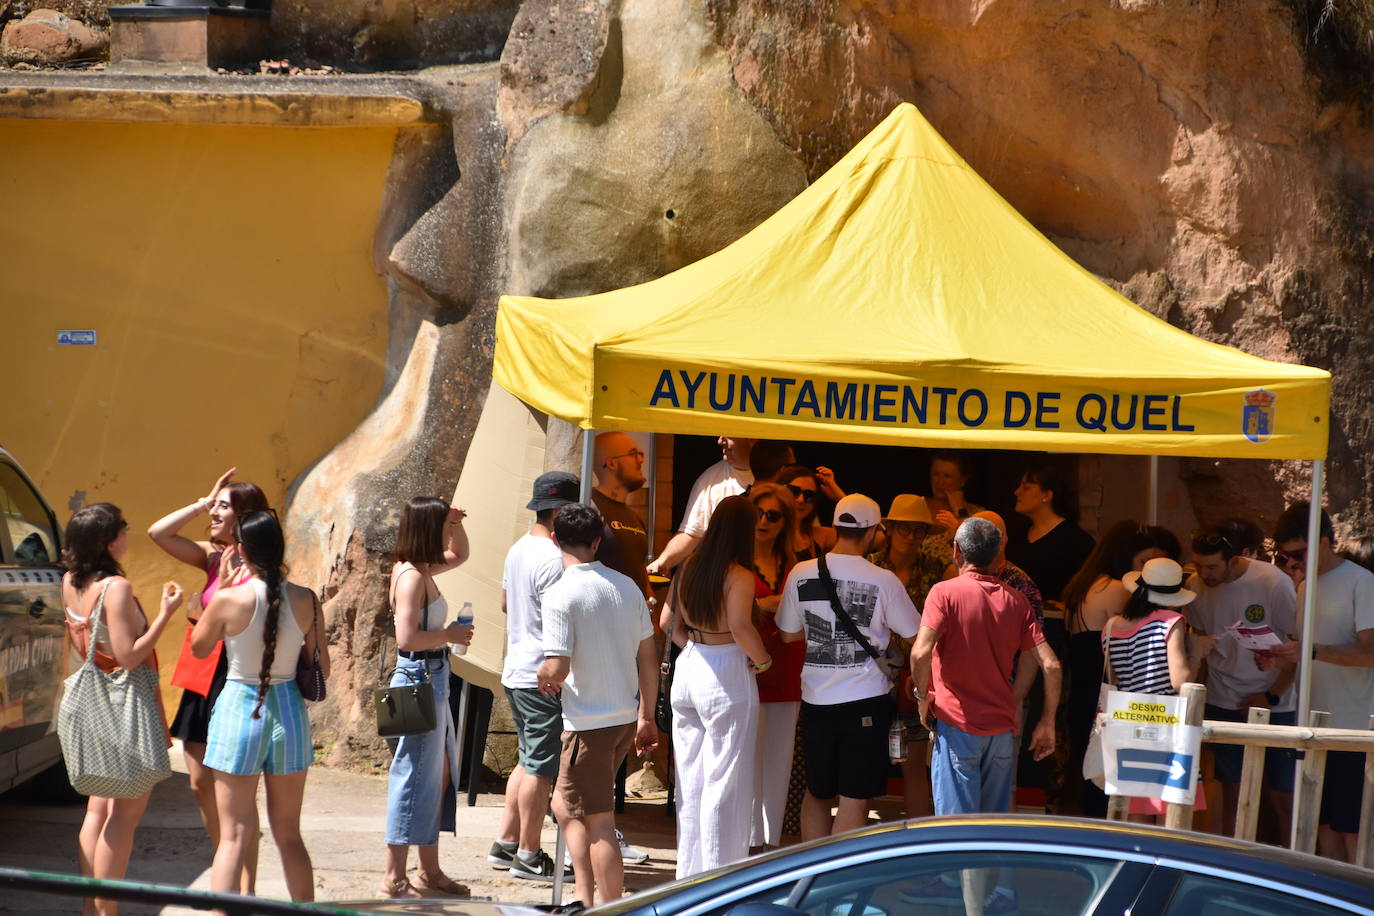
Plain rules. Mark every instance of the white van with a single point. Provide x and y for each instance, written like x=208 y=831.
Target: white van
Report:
x=32 y=633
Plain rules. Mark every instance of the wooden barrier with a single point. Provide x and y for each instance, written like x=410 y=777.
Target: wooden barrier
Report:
x=1256 y=735
x=1315 y=740
x=1195 y=698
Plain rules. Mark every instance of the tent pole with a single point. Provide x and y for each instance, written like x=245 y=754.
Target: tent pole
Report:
x=651 y=482
x=1152 y=512
x=1309 y=597
x=1309 y=601
x=588 y=450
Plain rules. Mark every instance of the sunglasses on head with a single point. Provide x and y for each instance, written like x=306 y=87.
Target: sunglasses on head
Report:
x=802 y=493
x=772 y=515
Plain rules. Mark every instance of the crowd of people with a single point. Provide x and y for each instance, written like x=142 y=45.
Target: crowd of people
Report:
x=807 y=663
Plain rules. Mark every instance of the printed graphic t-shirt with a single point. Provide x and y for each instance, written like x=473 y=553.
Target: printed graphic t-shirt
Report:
x=837 y=669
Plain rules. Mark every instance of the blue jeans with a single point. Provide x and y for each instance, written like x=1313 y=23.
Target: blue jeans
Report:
x=416 y=797
x=970 y=774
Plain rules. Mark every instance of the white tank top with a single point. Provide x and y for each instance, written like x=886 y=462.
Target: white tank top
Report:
x=245 y=649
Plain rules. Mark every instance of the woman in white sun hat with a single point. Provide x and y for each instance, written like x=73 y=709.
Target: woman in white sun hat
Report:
x=1147 y=646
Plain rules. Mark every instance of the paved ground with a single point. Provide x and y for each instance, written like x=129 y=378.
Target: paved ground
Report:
x=343 y=821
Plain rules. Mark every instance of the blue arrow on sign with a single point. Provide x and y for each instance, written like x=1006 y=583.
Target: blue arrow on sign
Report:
x=1163 y=767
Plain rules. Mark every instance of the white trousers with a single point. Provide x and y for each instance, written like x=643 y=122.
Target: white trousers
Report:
x=715 y=721
x=773 y=769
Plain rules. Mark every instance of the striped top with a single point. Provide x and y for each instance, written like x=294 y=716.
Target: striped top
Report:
x=1139 y=652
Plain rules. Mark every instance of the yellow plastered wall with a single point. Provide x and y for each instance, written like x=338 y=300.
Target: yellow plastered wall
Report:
x=228 y=275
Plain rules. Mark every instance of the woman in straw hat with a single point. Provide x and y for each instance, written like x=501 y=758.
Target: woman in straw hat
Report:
x=1146 y=645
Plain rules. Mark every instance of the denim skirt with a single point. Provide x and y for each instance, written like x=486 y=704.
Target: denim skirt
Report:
x=419 y=801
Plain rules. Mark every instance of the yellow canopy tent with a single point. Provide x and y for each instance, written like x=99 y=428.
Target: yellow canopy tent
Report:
x=900 y=300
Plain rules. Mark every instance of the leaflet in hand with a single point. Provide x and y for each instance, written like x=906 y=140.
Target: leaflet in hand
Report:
x=1260 y=638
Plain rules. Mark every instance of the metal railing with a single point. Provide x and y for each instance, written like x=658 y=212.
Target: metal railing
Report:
x=21 y=879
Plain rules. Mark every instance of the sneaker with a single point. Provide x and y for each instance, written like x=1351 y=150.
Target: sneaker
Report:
x=628 y=853
x=500 y=856
x=541 y=869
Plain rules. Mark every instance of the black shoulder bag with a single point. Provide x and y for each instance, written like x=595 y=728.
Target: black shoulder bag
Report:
x=406 y=709
x=663 y=706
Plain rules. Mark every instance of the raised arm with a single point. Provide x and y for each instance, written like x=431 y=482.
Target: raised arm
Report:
x=455 y=540
x=165 y=532
x=122 y=617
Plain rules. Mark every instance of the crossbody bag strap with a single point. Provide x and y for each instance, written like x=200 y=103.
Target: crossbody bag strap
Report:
x=316 y=623
x=1107 y=654
x=665 y=665
x=841 y=615
x=93 y=621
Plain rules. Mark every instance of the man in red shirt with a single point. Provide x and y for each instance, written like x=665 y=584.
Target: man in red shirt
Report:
x=971 y=629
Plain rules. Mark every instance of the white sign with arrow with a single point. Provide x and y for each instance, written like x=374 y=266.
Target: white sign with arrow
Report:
x=1147 y=751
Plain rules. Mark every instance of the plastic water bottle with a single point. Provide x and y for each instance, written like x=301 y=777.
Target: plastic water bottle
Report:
x=465 y=619
x=896 y=741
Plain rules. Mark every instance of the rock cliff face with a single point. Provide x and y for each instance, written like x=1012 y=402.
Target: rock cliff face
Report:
x=1213 y=160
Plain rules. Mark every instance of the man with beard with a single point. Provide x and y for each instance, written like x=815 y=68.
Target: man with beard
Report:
x=620 y=472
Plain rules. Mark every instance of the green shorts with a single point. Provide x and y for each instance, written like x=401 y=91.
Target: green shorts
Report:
x=538 y=729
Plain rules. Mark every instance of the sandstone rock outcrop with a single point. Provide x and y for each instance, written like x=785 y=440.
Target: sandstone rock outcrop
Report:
x=1141 y=138
x=1213 y=161
x=47 y=36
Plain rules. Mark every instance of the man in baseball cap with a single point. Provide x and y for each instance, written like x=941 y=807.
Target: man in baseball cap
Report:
x=532 y=565
x=846 y=609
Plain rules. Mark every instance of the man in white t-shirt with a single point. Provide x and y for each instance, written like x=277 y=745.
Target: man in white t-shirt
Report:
x=1233 y=590
x=533 y=564
x=730 y=476
x=846 y=709
x=600 y=654
x=1342 y=659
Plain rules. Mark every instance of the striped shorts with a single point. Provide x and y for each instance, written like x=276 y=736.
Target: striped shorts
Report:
x=278 y=743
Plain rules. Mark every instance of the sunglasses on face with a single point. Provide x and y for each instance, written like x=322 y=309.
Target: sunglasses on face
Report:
x=1293 y=558
x=910 y=529
x=772 y=515
x=805 y=495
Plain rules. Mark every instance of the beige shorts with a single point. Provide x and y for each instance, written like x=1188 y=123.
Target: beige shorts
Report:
x=586 y=772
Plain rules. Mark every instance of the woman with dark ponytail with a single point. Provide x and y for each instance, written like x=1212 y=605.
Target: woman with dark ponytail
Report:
x=259 y=725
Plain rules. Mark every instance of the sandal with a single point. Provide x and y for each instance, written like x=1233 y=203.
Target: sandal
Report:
x=400 y=888
x=443 y=884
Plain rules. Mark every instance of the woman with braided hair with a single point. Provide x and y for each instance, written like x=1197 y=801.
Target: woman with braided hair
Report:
x=259 y=725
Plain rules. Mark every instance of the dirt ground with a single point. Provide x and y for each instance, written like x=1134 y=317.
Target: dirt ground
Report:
x=343 y=821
